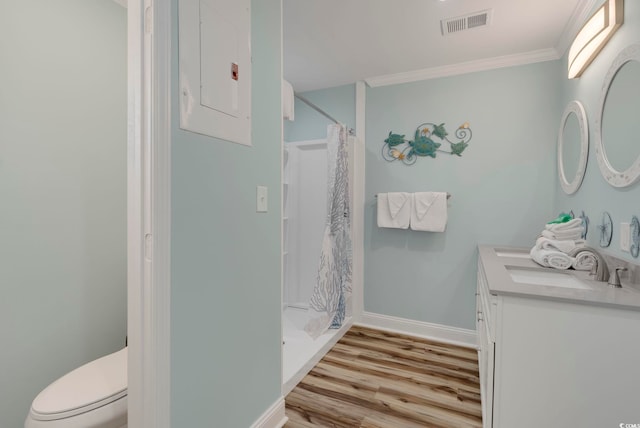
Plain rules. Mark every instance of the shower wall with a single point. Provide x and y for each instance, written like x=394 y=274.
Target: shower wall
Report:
x=305 y=207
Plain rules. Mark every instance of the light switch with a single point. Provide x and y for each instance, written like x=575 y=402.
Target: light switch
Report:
x=625 y=236
x=262 y=200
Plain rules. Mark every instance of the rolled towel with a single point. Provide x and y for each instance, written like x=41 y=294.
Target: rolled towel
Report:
x=563 y=236
x=544 y=243
x=584 y=260
x=551 y=258
x=576 y=222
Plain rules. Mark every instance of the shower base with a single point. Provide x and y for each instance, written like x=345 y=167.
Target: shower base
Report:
x=300 y=353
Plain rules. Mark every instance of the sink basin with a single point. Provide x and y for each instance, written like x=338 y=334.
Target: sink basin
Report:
x=552 y=278
x=512 y=253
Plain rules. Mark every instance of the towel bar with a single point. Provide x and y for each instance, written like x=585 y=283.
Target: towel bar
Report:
x=448 y=195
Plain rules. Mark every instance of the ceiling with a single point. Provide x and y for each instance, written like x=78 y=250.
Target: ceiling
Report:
x=335 y=42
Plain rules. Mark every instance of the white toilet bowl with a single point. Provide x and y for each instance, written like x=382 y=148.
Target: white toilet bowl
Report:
x=91 y=396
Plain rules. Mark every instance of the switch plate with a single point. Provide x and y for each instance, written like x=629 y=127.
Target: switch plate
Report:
x=625 y=236
x=262 y=200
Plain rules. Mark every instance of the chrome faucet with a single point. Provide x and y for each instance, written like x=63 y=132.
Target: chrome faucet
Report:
x=614 y=279
x=599 y=270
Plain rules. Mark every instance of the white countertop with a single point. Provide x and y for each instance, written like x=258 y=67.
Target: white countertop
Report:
x=500 y=282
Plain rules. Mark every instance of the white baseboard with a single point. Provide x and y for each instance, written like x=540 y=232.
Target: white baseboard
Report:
x=274 y=417
x=437 y=332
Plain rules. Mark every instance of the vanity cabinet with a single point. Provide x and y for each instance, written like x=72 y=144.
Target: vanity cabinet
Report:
x=548 y=362
x=486 y=346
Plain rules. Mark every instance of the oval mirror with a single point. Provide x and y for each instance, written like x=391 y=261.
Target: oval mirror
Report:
x=617 y=148
x=573 y=147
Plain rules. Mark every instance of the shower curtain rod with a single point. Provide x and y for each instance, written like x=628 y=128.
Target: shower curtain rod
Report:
x=322 y=112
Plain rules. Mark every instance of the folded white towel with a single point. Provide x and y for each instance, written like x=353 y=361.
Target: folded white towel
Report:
x=584 y=260
x=288 y=100
x=429 y=212
x=573 y=234
x=565 y=246
x=576 y=222
x=551 y=258
x=394 y=210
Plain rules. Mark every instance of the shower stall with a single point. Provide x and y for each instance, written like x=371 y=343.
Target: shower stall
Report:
x=305 y=189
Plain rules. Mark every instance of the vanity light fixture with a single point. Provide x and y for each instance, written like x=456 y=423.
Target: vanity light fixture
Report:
x=594 y=36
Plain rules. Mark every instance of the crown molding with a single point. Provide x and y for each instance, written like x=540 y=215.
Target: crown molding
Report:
x=580 y=15
x=531 y=57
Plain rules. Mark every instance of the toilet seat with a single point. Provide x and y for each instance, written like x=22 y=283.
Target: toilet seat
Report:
x=94 y=385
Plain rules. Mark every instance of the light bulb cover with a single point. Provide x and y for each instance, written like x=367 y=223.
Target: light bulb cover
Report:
x=593 y=36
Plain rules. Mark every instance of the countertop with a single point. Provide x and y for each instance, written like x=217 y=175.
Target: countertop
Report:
x=500 y=281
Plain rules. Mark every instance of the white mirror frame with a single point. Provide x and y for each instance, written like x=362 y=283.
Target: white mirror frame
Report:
x=611 y=175
x=570 y=187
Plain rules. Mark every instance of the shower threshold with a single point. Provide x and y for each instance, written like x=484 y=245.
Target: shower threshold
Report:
x=300 y=353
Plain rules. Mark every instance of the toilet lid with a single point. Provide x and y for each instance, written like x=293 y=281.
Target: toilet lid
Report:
x=93 y=385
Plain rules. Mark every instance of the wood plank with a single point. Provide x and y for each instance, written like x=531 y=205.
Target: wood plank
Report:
x=461 y=351
x=398 y=373
x=372 y=378
x=419 y=366
x=416 y=349
x=381 y=420
x=408 y=352
x=444 y=398
x=298 y=418
x=353 y=390
x=419 y=410
x=326 y=410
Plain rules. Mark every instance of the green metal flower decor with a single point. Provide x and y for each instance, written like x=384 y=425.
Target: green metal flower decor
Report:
x=396 y=147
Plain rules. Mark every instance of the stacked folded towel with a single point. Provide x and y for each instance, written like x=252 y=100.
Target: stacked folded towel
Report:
x=557 y=241
x=564 y=246
x=570 y=230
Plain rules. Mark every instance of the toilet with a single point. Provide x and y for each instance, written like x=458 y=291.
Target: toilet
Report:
x=91 y=396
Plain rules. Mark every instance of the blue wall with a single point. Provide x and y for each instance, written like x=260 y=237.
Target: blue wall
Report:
x=596 y=195
x=502 y=187
x=225 y=285
x=339 y=102
x=63 y=142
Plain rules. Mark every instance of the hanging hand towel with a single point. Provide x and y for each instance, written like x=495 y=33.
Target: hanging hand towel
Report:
x=429 y=213
x=394 y=210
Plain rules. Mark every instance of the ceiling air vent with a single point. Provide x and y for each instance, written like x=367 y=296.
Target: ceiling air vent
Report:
x=466 y=22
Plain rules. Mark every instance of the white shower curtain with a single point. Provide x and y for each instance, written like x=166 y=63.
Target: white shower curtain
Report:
x=331 y=298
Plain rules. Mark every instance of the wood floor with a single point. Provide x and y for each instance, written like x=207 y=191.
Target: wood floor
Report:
x=372 y=378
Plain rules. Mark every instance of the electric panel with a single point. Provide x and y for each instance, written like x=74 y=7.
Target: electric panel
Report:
x=215 y=68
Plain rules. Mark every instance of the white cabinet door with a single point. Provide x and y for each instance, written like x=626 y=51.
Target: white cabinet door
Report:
x=487 y=349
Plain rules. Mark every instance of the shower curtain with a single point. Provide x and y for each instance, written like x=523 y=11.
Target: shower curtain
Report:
x=331 y=295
